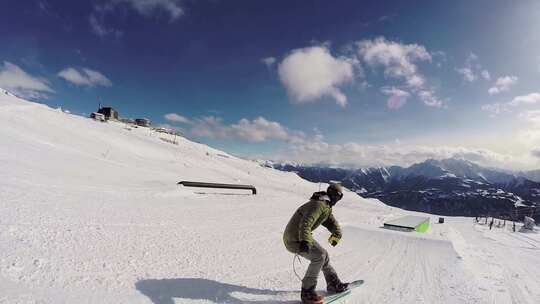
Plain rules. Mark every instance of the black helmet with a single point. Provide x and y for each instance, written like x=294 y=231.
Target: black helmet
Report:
x=335 y=192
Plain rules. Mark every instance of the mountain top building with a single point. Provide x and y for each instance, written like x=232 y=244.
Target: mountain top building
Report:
x=142 y=122
x=108 y=112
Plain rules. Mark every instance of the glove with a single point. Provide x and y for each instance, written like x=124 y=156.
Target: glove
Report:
x=333 y=240
x=304 y=246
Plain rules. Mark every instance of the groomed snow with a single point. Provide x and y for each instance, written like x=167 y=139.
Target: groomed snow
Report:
x=90 y=213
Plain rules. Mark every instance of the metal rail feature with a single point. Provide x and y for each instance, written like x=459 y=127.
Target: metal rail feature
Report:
x=220 y=186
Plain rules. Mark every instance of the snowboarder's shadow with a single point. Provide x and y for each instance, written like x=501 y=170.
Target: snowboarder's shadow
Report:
x=164 y=291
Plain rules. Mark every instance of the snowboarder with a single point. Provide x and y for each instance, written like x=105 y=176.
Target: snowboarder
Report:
x=298 y=240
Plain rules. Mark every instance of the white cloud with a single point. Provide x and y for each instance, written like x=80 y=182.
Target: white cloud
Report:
x=518 y=101
x=429 y=98
x=472 y=57
x=146 y=8
x=502 y=84
x=530 y=99
x=17 y=81
x=311 y=73
x=398 y=59
x=397 y=97
x=529 y=135
x=97 y=21
x=472 y=69
x=493 y=91
x=317 y=151
x=532 y=117
x=149 y=7
x=84 y=77
x=253 y=131
x=467 y=73
x=260 y=129
x=386 y=18
x=173 y=117
x=399 y=62
x=268 y=61
x=210 y=127
x=440 y=57
x=495 y=108
x=485 y=74
x=98 y=27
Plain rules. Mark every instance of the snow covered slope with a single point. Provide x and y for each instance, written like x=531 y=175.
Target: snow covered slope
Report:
x=90 y=213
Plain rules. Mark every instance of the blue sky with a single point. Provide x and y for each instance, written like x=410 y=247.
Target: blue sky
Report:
x=353 y=83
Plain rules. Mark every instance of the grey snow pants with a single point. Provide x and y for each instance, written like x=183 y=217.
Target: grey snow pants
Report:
x=319 y=260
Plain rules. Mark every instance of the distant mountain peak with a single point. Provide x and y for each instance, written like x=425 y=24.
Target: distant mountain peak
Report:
x=453 y=167
x=452 y=186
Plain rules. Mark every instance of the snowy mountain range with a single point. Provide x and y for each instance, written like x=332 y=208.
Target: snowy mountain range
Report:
x=447 y=187
x=533 y=175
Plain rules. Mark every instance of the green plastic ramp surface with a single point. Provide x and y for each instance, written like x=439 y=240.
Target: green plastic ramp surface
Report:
x=409 y=223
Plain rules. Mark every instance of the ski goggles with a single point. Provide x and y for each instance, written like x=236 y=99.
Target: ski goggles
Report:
x=335 y=195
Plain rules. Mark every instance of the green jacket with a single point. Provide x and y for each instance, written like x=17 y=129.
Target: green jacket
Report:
x=310 y=216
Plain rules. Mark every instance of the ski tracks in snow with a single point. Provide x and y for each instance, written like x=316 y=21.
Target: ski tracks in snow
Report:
x=403 y=268
x=506 y=265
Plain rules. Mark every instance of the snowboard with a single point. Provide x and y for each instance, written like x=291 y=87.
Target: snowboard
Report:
x=334 y=298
